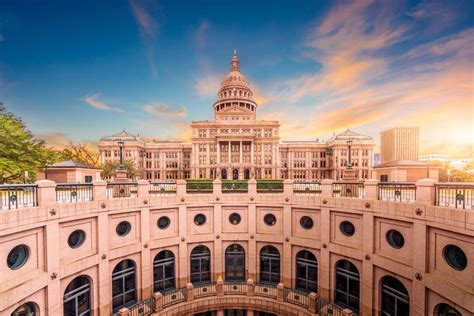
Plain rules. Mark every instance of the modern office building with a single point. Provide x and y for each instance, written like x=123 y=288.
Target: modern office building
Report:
x=238 y=145
x=399 y=143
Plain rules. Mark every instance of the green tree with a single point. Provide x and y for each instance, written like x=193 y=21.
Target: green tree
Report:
x=109 y=169
x=20 y=152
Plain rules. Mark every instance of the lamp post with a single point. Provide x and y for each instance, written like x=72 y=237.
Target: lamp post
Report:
x=121 y=165
x=349 y=145
x=46 y=171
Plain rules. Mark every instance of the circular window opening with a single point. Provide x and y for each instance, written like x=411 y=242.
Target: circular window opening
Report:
x=123 y=228
x=234 y=218
x=306 y=222
x=199 y=219
x=455 y=257
x=270 y=219
x=163 y=222
x=347 y=228
x=76 y=238
x=395 y=239
x=18 y=256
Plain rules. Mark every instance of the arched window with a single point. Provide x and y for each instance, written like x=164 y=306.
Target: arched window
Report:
x=124 y=291
x=77 y=297
x=200 y=265
x=269 y=265
x=306 y=271
x=235 y=263
x=445 y=310
x=347 y=285
x=163 y=271
x=27 y=309
x=395 y=300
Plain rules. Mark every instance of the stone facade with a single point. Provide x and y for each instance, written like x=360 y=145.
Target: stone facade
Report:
x=237 y=145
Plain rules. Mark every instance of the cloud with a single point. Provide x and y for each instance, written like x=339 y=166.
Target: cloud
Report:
x=159 y=111
x=144 y=13
x=2 y=37
x=95 y=103
x=201 y=33
x=207 y=85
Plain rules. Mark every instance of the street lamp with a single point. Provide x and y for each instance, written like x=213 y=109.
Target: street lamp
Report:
x=46 y=171
x=121 y=165
x=349 y=145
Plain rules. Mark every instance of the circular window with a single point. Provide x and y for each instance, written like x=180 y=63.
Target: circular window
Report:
x=306 y=222
x=234 y=218
x=199 y=219
x=347 y=228
x=18 y=256
x=395 y=238
x=163 y=222
x=455 y=257
x=76 y=238
x=123 y=228
x=270 y=219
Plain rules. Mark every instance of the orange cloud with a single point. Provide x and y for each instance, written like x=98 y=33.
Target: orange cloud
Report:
x=95 y=103
x=160 y=110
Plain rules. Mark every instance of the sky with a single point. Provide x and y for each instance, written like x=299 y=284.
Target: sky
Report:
x=80 y=70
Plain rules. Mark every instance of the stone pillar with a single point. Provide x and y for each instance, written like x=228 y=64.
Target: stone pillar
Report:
x=217 y=187
x=313 y=302
x=143 y=188
x=220 y=287
x=181 y=188
x=218 y=153
x=371 y=189
x=99 y=190
x=250 y=287
x=252 y=187
x=229 y=156
x=288 y=188
x=124 y=312
x=250 y=312
x=280 y=292
x=46 y=192
x=189 y=292
x=425 y=191
x=158 y=301
x=326 y=188
x=347 y=312
x=252 y=160
x=220 y=312
x=240 y=153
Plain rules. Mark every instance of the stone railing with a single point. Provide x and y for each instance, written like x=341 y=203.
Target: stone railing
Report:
x=308 y=301
x=425 y=191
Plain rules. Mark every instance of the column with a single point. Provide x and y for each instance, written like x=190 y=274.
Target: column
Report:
x=252 y=160
x=229 y=154
x=218 y=153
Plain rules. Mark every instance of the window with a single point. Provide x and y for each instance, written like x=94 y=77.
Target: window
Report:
x=18 y=256
x=235 y=263
x=124 y=292
x=395 y=300
x=395 y=239
x=347 y=285
x=77 y=297
x=234 y=218
x=88 y=179
x=306 y=222
x=200 y=219
x=445 y=310
x=306 y=271
x=269 y=265
x=455 y=257
x=383 y=178
x=163 y=222
x=76 y=238
x=269 y=219
x=123 y=228
x=27 y=309
x=200 y=265
x=163 y=271
x=347 y=228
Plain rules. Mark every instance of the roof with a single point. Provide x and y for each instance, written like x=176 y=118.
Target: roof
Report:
x=72 y=164
x=349 y=135
x=402 y=163
x=123 y=135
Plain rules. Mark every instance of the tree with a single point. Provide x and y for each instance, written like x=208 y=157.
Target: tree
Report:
x=109 y=169
x=81 y=153
x=20 y=152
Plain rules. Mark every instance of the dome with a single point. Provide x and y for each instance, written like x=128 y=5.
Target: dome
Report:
x=235 y=85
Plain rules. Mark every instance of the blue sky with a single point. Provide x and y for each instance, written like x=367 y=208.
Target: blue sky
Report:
x=79 y=70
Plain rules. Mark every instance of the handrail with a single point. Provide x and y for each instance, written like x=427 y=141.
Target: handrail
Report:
x=14 y=196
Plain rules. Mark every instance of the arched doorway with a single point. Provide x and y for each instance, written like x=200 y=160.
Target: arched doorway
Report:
x=235 y=174
x=224 y=174
x=347 y=285
x=163 y=271
x=246 y=174
x=235 y=263
x=124 y=291
x=306 y=271
x=269 y=265
x=395 y=299
x=444 y=309
x=200 y=265
x=27 y=309
x=77 y=297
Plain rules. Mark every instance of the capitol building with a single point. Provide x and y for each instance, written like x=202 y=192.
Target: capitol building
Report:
x=237 y=145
